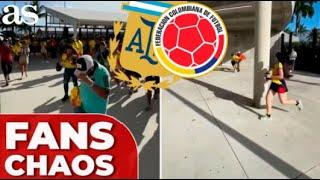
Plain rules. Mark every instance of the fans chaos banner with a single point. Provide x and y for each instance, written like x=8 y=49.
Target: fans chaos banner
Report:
x=66 y=146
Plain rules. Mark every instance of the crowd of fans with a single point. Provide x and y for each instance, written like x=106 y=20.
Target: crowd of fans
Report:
x=82 y=60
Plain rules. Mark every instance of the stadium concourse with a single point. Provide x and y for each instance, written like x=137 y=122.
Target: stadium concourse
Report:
x=210 y=128
x=42 y=91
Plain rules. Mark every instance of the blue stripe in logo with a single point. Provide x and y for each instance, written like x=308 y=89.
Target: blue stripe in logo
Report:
x=206 y=66
x=140 y=10
x=157 y=3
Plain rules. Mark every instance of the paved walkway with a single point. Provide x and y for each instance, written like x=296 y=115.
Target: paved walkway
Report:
x=210 y=129
x=42 y=91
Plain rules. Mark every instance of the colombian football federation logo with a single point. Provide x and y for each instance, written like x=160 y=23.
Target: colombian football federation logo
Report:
x=167 y=39
x=189 y=40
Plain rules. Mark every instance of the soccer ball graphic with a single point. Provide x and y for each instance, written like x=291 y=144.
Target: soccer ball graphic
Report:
x=189 y=40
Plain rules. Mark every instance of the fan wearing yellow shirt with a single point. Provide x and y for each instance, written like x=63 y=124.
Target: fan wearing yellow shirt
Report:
x=68 y=61
x=16 y=49
x=278 y=85
x=235 y=60
x=92 y=46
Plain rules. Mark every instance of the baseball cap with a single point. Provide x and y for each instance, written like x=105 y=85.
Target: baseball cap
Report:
x=84 y=63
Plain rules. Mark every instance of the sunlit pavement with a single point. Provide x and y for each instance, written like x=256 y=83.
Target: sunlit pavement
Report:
x=211 y=130
x=42 y=91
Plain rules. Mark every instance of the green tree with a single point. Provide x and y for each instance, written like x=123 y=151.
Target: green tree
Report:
x=302 y=9
x=288 y=30
x=302 y=30
x=41 y=12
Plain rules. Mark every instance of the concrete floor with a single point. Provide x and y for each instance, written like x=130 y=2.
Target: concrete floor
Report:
x=210 y=129
x=42 y=91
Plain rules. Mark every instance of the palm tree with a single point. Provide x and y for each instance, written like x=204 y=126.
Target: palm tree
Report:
x=288 y=30
x=40 y=10
x=302 y=30
x=302 y=9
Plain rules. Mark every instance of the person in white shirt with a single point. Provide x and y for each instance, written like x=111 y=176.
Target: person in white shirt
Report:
x=292 y=60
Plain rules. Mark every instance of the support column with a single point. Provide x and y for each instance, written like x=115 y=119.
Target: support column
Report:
x=262 y=50
x=75 y=31
x=80 y=33
x=107 y=33
x=46 y=30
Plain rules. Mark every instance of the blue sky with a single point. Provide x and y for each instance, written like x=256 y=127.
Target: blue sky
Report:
x=115 y=6
x=309 y=23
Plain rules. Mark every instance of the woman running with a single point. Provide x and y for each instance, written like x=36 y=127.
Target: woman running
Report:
x=278 y=85
x=24 y=58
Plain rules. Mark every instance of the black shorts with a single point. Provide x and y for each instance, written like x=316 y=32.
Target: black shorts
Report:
x=279 y=88
x=234 y=62
x=16 y=58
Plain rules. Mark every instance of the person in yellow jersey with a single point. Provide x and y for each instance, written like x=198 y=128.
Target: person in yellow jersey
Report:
x=278 y=85
x=68 y=61
x=235 y=60
x=16 y=49
x=92 y=46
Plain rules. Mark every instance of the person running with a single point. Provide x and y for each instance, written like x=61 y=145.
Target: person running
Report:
x=92 y=46
x=235 y=61
x=292 y=61
x=278 y=85
x=6 y=60
x=44 y=52
x=24 y=58
x=156 y=80
x=68 y=62
x=95 y=86
x=16 y=49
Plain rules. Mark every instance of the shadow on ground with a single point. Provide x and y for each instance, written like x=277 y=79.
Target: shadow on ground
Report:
x=31 y=83
x=304 y=82
x=52 y=105
x=144 y=128
x=240 y=100
x=277 y=163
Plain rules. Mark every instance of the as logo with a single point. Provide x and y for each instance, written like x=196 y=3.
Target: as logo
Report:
x=189 y=40
x=27 y=17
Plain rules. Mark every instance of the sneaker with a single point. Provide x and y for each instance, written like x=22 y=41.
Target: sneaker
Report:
x=300 y=105
x=265 y=118
x=65 y=98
